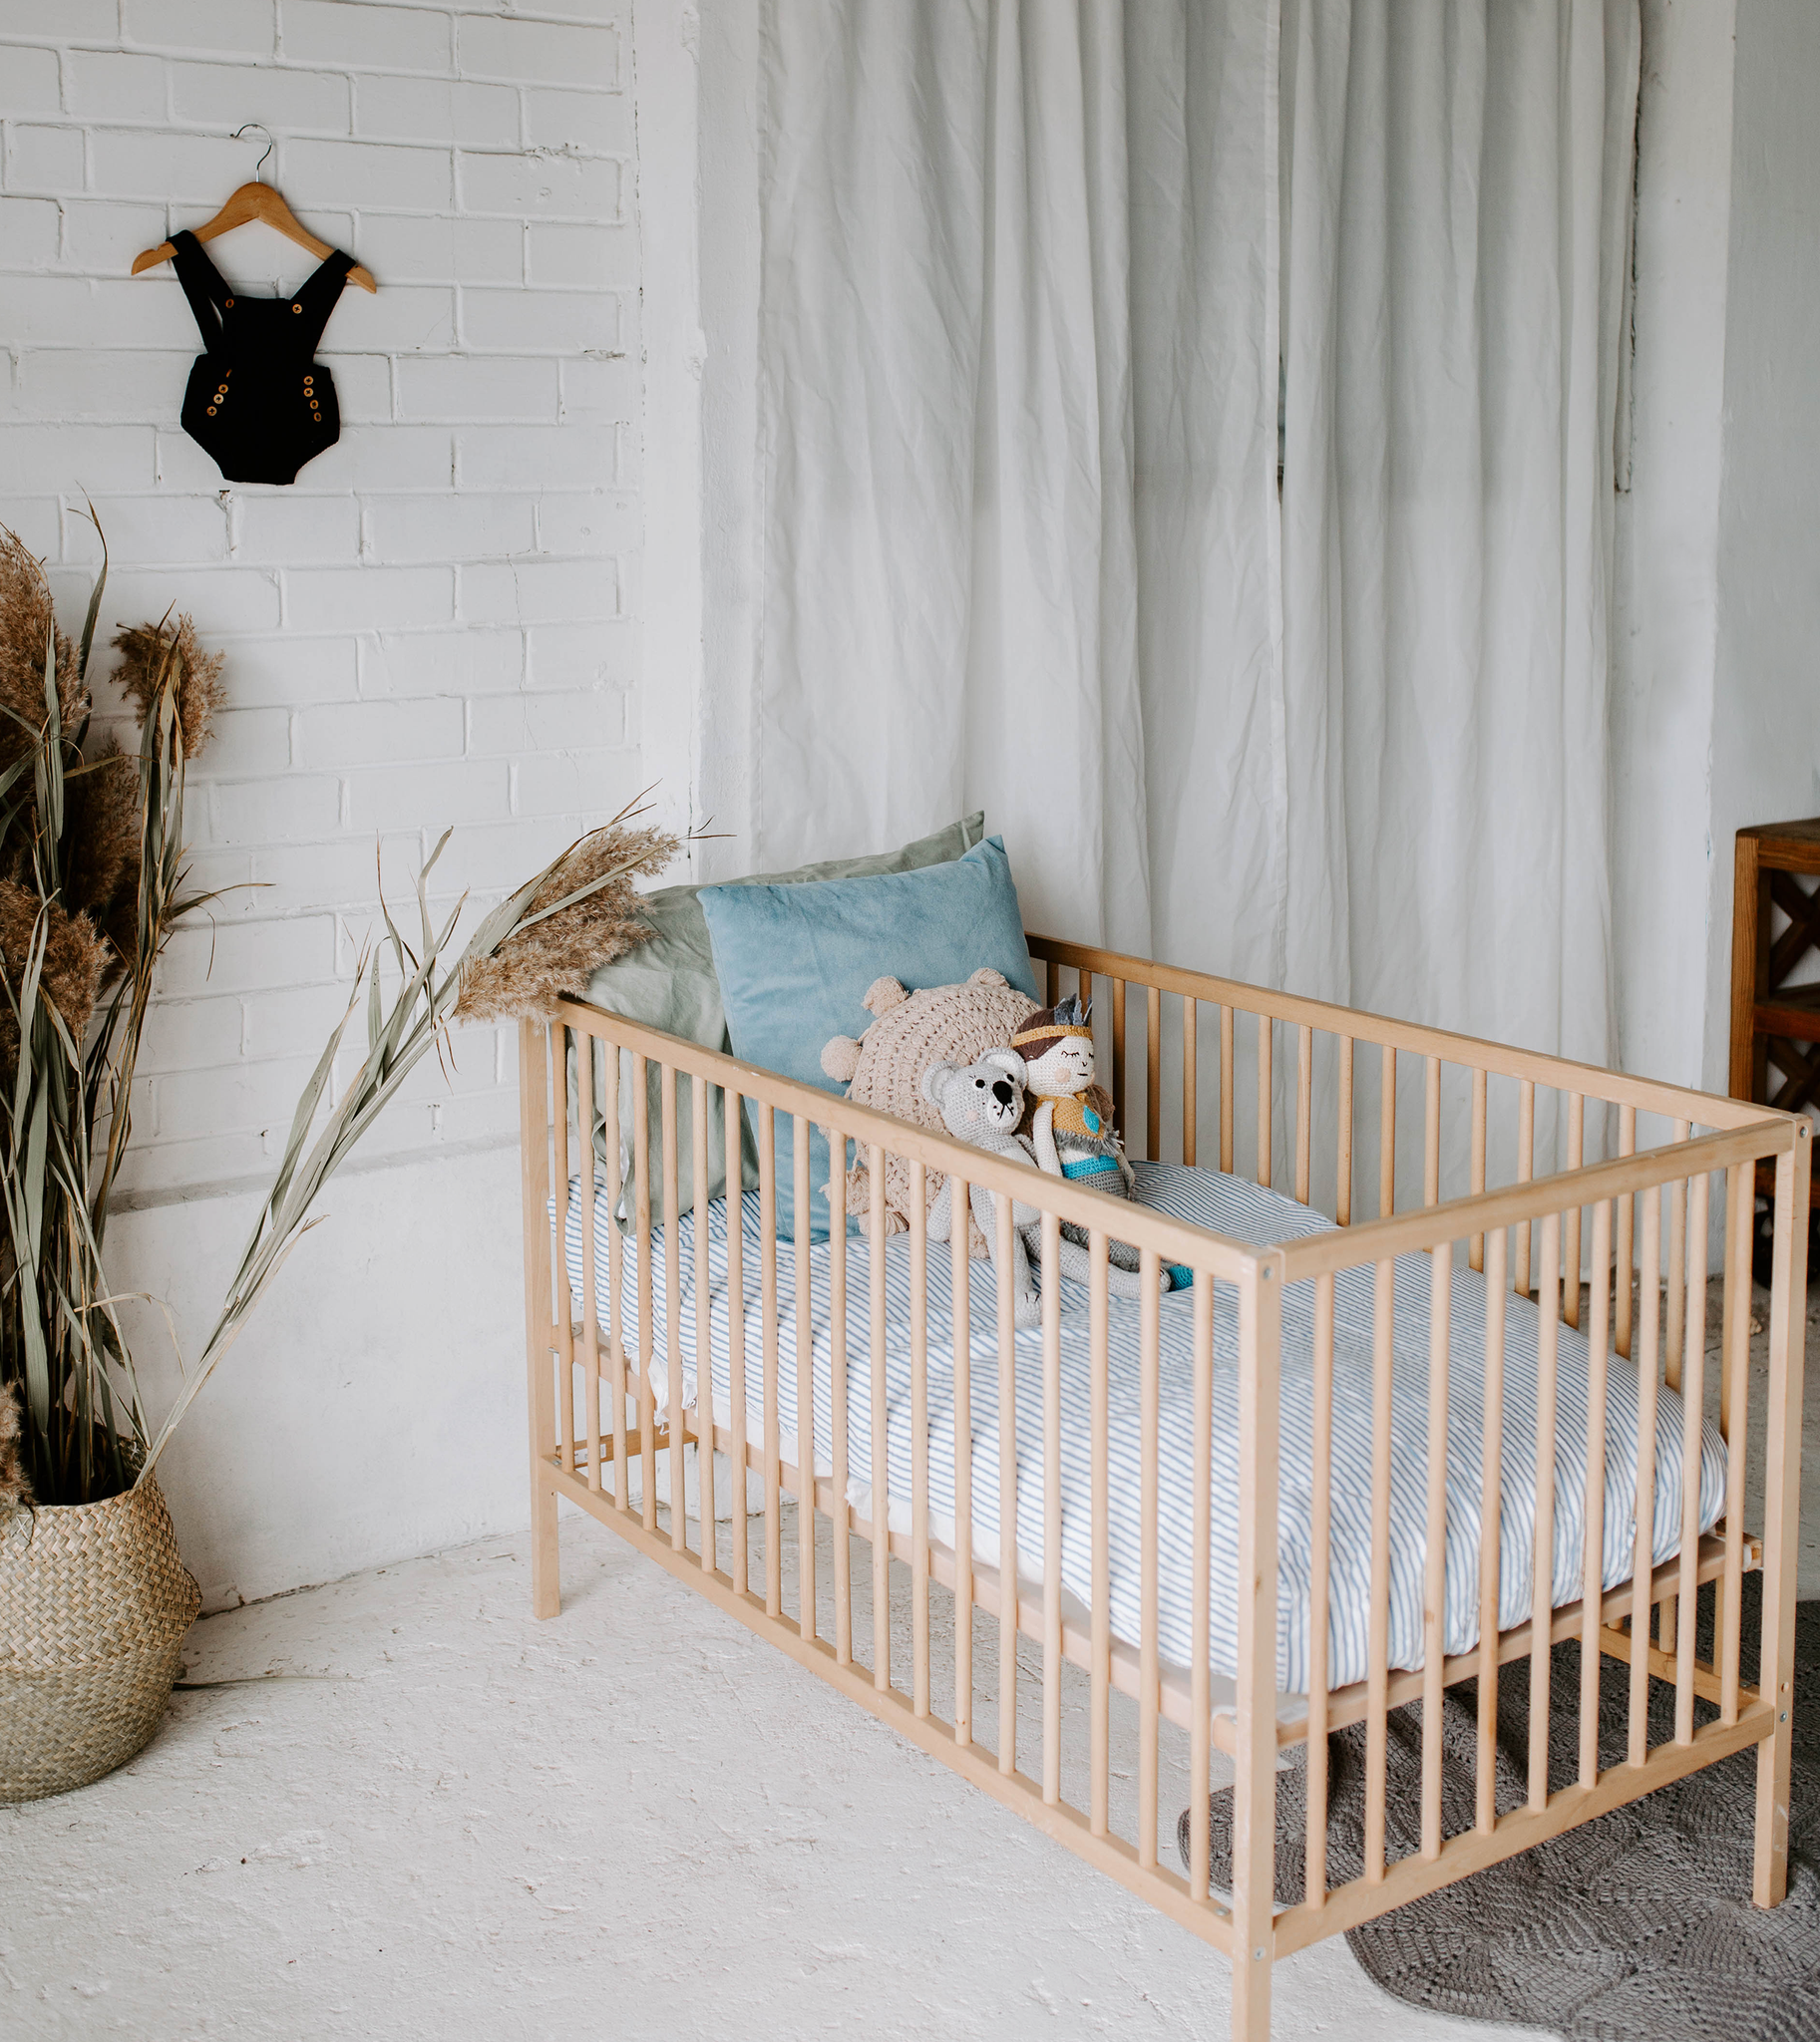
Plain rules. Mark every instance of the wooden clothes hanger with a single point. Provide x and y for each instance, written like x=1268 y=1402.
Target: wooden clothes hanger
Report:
x=255 y=201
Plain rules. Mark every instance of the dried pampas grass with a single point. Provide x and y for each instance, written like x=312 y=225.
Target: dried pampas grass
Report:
x=75 y=957
x=143 y=651
x=101 y=880
x=15 y=1484
x=25 y=618
x=555 y=956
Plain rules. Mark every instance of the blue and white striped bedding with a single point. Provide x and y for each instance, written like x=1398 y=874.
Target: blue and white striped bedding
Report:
x=1242 y=1211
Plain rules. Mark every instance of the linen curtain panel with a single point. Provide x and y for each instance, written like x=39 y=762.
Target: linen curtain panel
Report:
x=1185 y=430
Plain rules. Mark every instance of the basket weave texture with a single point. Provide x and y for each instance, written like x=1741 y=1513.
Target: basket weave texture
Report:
x=94 y=1605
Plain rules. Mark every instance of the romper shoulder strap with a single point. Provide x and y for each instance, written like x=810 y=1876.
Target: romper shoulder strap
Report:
x=320 y=292
x=204 y=285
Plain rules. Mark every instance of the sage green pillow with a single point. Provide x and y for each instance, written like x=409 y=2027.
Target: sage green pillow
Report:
x=670 y=984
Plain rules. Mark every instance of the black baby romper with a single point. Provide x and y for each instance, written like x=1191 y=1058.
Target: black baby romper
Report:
x=258 y=401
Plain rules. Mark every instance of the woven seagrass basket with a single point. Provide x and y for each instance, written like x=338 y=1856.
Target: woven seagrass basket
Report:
x=94 y=1605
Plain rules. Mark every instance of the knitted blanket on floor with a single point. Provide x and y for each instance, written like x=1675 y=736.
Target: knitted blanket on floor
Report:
x=1636 y=1928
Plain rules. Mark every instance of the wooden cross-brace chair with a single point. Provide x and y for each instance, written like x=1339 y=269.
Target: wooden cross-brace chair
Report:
x=1776 y=1023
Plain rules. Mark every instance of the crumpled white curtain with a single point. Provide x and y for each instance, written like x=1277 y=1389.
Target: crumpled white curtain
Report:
x=1016 y=409
x=1031 y=271
x=1457 y=184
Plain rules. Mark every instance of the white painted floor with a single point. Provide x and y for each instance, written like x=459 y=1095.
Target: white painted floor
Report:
x=444 y=1818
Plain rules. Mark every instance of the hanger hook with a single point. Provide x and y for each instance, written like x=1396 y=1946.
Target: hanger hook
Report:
x=269 y=144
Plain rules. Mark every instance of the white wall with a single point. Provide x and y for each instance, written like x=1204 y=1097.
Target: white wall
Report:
x=437 y=624
x=1715 y=680
x=1766 y=698
x=1665 y=597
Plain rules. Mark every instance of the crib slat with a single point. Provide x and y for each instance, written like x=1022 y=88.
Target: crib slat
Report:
x=1734 y=1424
x=616 y=1329
x=767 y=1272
x=1541 y=1575
x=960 y=1283
x=1226 y=1061
x=1570 y=1254
x=1099 y=1701
x=1525 y=1170
x=1051 y=1279
x=836 y=1398
x=1304 y=1108
x=1148 y=1658
x=1675 y=1298
x=590 y=1308
x=1321 y=1536
x=1431 y=1131
x=1386 y=1132
x=1007 y=1488
x=1627 y=1238
x=1475 y=1248
x=1674 y=1306
x=1377 y=1696
x=731 y=1108
x=1434 y=1571
x=704 y=1351
x=1491 y=1526
x=1266 y=1039
x=920 y=1443
x=641 y=1176
x=1694 y=1404
x=1053 y=982
x=565 y=1339
x=1121 y=1105
x=804 y=1388
x=881 y=1431
x=1649 y=1374
x=1200 y=1729
x=1191 y=1048
x=1592 y=1581
x=672 y=1311
x=1342 y=1171
x=1152 y=1077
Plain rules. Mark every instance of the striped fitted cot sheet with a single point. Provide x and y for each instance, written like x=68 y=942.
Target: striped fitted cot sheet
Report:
x=1246 y=1212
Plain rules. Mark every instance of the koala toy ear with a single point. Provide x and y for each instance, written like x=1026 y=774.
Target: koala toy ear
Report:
x=840 y=1059
x=1010 y=1062
x=985 y=975
x=933 y=1081
x=883 y=995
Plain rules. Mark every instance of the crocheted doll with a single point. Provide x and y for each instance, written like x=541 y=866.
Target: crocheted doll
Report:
x=1070 y=1125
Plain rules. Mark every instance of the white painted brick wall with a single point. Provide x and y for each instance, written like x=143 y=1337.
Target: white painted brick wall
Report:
x=434 y=625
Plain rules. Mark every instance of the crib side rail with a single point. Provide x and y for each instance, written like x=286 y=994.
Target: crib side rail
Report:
x=849 y=1556
x=1496 y=1388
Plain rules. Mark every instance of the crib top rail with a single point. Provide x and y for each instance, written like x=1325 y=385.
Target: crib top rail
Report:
x=1594 y=1081
x=1175 y=1240
x=1438 y=1225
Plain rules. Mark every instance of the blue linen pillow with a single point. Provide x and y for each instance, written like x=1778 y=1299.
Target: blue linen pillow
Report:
x=794 y=963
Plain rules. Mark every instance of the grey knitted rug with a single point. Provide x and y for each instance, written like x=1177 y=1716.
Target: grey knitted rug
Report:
x=1637 y=1927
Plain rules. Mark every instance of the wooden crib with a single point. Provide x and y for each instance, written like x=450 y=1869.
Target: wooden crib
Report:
x=1329 y=1101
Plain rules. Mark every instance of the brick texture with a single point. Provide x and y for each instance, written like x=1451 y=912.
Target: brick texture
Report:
x=436 y=625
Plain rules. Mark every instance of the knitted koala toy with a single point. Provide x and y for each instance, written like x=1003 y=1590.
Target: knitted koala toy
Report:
x=982 y=1104
x=884 y=1068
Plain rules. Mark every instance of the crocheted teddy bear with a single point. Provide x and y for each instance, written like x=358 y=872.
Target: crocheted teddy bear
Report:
x=884 y=1068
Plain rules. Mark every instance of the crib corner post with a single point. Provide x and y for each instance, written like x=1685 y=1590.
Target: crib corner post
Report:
x=540 y=1402
x=1254 y=1767
x=1781 y=1516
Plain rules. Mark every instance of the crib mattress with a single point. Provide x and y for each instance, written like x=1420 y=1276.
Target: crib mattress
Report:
x=1246 y=1212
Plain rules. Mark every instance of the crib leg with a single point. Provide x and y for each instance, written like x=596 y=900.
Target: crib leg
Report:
x=546 y=1572
x=1252 y=1995
x=1782 y=1516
